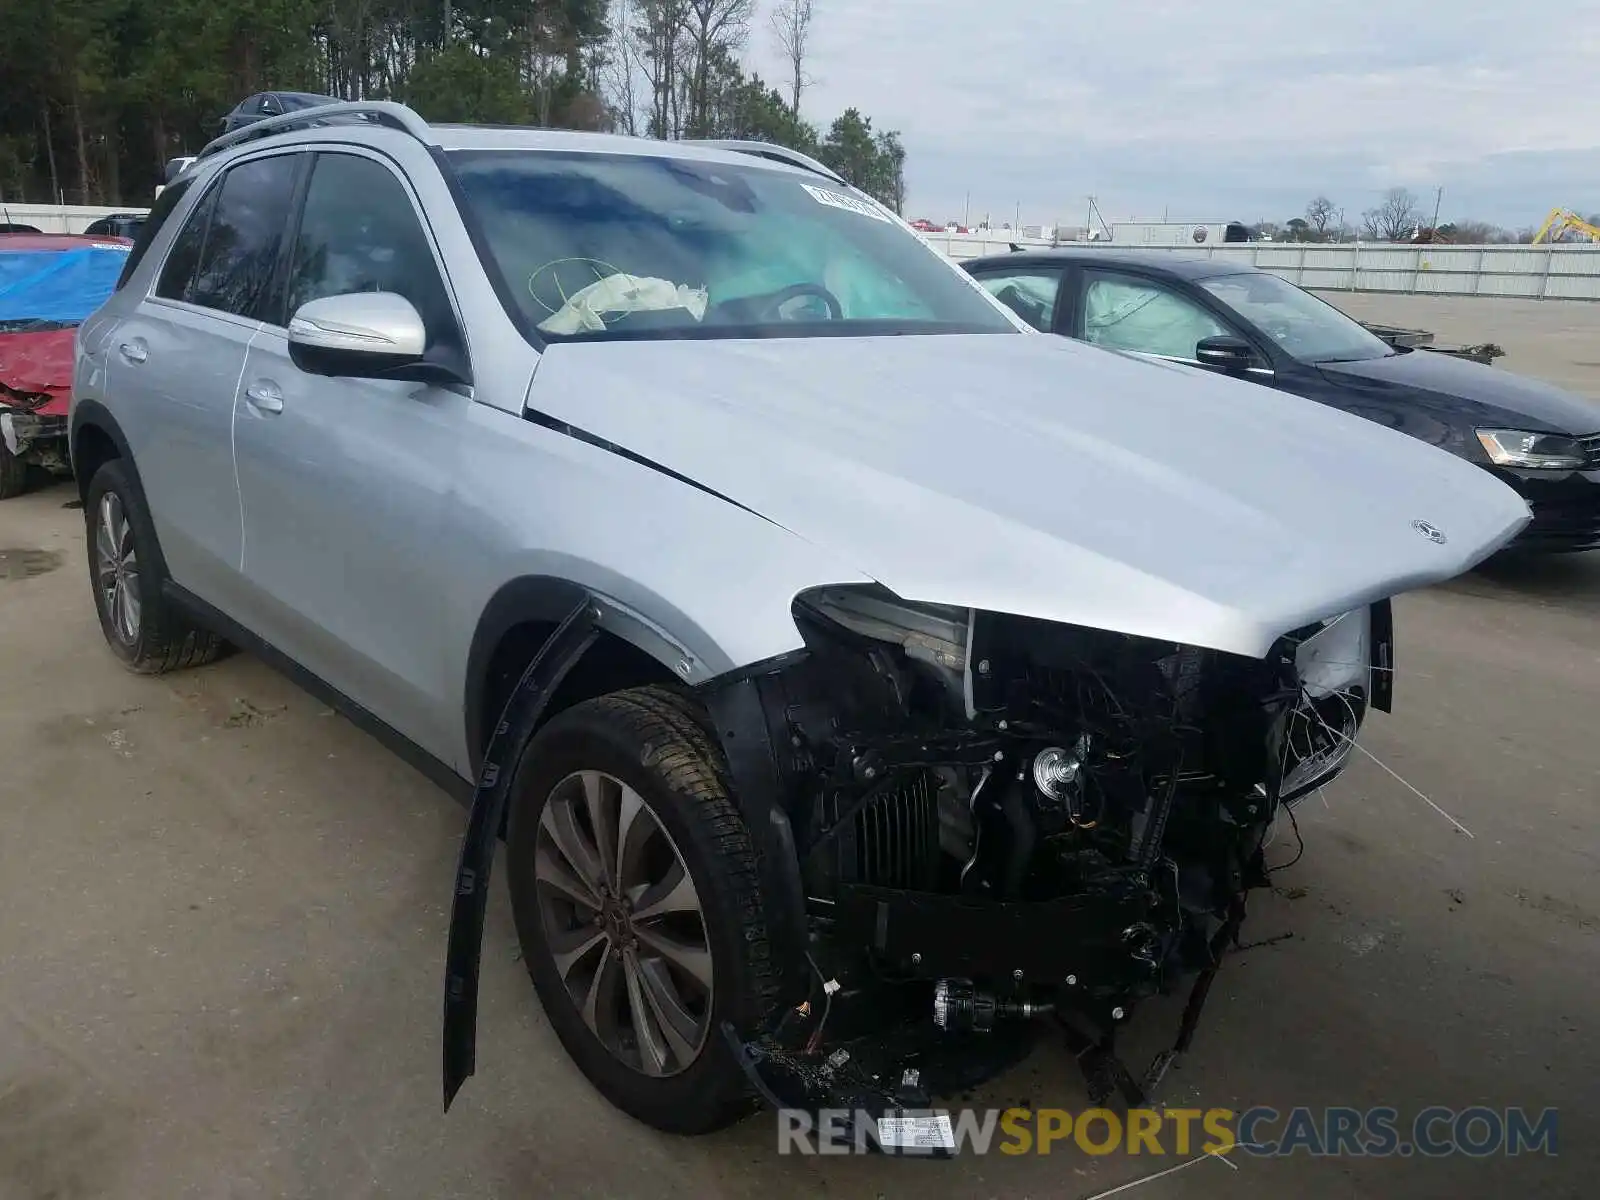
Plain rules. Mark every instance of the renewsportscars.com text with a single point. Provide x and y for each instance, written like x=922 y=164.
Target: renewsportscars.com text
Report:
x=1378 y=1132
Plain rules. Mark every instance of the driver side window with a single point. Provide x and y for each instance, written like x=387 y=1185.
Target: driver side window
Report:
x=360 y=233
x=1128 y=312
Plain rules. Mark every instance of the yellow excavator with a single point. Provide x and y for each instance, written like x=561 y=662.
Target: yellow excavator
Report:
x=1563 y=221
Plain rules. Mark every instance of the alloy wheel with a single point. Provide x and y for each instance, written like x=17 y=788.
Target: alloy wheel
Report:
x=623 y=923
x=117 y=568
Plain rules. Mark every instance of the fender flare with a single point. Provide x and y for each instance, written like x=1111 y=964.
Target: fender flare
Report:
x=491 y=794
x=741 y=711
x=92 y=412
x=549 y=599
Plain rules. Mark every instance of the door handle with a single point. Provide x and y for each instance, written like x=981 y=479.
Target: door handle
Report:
x=134 y=352
x=264 y=397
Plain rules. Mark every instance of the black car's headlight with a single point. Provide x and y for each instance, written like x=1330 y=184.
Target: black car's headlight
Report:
x=1520 y=448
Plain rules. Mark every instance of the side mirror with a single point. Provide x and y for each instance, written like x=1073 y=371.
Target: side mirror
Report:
x=1225 y=353
x=367 y=335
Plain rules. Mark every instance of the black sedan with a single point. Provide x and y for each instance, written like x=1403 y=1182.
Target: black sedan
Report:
x=125 y=225
x=1225 y=317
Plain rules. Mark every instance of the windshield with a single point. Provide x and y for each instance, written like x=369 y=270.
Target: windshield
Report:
x=610 y=246
x=1306 y=327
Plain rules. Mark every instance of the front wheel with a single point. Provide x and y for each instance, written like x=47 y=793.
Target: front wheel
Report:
x=634 y=890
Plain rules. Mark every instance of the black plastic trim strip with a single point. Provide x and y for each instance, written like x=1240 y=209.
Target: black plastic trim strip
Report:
x=463 y=957
x=744 y=710
x=546 y=421
x=1383 y=656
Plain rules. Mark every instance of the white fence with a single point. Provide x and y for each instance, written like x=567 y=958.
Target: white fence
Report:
x=1561 y=272
x=976 y=245
x=58 y=218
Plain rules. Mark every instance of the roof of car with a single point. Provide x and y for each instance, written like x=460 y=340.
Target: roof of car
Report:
x=373 y=123
x=493 y=137
x=1166 y=261
x=516 y=137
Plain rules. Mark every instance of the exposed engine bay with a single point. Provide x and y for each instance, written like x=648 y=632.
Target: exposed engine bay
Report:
x=996 y=819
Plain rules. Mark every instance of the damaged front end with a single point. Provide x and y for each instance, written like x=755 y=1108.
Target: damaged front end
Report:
x=35 y=383
x=968 y=820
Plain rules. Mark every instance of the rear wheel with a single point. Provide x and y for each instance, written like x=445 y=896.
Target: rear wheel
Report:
x=15 y=476
x=140 y=625
x=633 y=885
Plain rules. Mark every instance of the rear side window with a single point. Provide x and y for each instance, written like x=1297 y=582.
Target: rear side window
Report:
x=159 y=212
x=238 y=258
x=1028 y=292
x=177 y=273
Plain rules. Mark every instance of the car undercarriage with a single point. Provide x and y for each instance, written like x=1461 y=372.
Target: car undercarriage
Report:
x=968 y=823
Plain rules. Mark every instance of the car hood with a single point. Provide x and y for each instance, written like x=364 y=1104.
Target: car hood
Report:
x=35 y=365
x=1474 y=392
x=1043 y=477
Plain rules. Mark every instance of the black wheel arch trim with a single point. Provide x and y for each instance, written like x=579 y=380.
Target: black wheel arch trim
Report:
x=549 y=599
x=742 y=706
x=492 y=793
x=93 y=413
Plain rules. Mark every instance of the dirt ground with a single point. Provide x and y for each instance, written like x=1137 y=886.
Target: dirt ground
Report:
x=223 y=911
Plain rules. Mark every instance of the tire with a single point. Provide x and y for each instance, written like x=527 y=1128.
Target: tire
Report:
x=149 y=635
x=15 y=477
x=652 y=742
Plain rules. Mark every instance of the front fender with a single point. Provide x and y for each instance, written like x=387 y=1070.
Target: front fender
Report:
x=692 y=655
x=687 y=577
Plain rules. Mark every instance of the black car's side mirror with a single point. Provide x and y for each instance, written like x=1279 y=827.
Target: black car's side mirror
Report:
x=1226 y=353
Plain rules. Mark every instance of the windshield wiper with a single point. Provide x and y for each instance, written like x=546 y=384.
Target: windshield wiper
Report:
x=1355 y=358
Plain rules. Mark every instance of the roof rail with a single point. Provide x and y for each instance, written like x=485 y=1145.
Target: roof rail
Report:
x=381 y=112
x=770 y=150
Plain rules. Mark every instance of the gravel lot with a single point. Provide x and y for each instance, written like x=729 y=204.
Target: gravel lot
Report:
x=1558 y=341
x=224 y=921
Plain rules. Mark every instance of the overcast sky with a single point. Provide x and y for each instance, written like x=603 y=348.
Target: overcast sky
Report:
x=1222 y=110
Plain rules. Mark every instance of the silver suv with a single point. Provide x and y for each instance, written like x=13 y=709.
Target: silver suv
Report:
x=846 y=667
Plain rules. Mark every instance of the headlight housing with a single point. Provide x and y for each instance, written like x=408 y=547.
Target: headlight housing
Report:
x=1538 y=451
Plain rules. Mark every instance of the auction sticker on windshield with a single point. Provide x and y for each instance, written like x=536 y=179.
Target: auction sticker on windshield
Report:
x=848 y=203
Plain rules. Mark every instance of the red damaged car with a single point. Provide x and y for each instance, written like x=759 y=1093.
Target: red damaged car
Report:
x=48 y=284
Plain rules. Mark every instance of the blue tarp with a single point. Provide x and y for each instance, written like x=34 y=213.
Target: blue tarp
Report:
x=58 y=285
